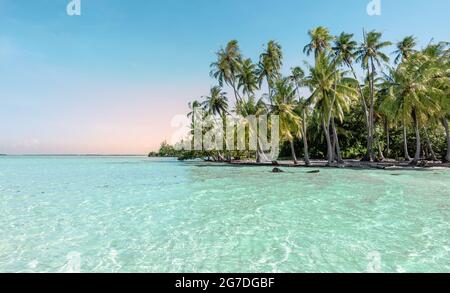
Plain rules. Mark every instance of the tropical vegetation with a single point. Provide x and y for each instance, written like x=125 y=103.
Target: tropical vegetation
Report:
x=353 y=100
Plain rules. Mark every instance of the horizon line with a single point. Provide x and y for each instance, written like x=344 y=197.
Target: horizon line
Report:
x=77 y=155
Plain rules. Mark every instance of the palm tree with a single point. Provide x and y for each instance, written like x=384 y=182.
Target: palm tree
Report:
x=216 y=103
x=345 y=50
x=253 y=107
x=297 y=77
x=269 y=66
x=405 y=48
x=440 y=56
x=247 y=78
x=414 y=95
x=386 y=105
x=192 y=107
x=227 y=66
x=284 y=103
x=370 y=56
x=320 y=41
x=330 y=95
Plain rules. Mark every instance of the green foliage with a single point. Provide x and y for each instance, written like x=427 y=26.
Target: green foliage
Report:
x=363 y=115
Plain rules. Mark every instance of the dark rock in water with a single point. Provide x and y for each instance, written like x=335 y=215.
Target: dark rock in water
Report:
x=277 y=170
x=423 y=163
x=313 y=172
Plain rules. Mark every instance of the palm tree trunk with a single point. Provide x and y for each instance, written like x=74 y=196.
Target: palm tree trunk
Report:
x=380 y=151
x=363 y=101
x=430 y=145
x=258 y=157
x=305 y=139
x=418 y=145
x=333 y=143
x=237 y=96
x=447 y=133
x=388 y=139
x=294 y=156
x=371 y=112
x=330 y=151
x=365 y=111
x=336 y=140
x=405 y=143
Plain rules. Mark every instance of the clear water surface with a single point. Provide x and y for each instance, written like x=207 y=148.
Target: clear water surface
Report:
x=133 y=214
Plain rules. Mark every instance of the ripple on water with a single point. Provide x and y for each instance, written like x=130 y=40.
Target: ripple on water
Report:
x=132 y=215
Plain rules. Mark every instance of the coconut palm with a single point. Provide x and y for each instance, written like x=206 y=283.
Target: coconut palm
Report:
x=440 y=56
x=415 y=94
x=269 y=66
x=320 y=41
x=345 y=49
x=385 y=107
x=216 y=103
x=297 y=77
x=192 y=107
x=405 y=48
x=370 y=55
x=331 y=92
x=283 y=105
x=227 y=66
x=247 y=78
x=256 y=108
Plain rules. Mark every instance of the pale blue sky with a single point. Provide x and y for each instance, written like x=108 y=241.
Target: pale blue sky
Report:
x=110 y=80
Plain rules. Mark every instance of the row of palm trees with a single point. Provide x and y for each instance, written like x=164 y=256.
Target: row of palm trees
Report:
x=413 y=93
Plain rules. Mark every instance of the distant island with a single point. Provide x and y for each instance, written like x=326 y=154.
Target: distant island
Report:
x=165 y=151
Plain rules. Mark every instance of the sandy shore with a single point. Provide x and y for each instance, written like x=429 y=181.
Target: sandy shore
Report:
x=387 y=165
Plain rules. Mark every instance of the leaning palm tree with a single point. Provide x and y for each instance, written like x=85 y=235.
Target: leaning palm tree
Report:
x=320 y=41
x=227 y=66
x=269 y=66
x=370 y=55
x=331 y=93
x=302 y=110
x=247 y=78
x=283 y=105
x=345 y=50
x=405 y=48
x=297 y=77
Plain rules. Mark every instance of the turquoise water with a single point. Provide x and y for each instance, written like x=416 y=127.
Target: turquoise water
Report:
x=132 y=214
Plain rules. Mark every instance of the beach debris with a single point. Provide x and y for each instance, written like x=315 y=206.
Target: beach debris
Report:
x=313 y=172
x=277 y=170
x=423 y=164
x=275 y=163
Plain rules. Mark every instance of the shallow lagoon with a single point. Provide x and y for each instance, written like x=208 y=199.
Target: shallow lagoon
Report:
x=133 y=214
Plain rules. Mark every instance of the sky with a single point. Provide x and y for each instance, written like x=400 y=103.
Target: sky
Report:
x=110 y=80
